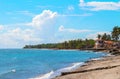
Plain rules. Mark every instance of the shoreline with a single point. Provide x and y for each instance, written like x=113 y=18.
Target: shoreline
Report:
x=54 y=74
x=72 y=67
x=65 y=71
x=92 y=69
x=67 y=74
x=91 y=49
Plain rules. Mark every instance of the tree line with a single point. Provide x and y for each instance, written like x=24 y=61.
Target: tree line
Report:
x=114 y=36
x=72 y=44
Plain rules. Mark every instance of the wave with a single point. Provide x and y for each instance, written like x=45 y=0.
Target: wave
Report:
x=96 y=58
x=7 y=72
x=13 y=70
x=99 y=58
x=53 y=74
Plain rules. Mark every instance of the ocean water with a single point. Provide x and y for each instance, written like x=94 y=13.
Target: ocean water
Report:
x=40 y=64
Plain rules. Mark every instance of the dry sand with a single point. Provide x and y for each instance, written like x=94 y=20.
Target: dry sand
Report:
x=106 y=68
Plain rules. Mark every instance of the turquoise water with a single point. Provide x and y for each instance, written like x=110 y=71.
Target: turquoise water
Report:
x=28 y=63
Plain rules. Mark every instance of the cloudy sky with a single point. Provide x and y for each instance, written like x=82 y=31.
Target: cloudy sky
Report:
x=48 y=21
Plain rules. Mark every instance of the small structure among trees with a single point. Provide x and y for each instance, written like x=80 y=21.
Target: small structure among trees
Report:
x=109 y=41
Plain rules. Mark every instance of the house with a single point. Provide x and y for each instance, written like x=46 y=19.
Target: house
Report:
x=108 y=44
x=99 y=43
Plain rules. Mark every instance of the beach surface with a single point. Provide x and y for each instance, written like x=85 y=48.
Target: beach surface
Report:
x=105 y=68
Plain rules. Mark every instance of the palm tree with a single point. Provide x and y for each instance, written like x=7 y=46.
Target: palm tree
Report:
x=116 y=33
x=99 y=36
x=104 y=36
x=108 y=37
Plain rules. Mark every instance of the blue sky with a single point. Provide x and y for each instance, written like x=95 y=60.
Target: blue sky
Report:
x=49 y=21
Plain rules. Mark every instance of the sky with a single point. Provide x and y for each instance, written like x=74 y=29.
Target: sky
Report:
x=26 y=22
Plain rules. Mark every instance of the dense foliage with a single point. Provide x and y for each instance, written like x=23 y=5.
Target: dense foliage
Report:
x=72 y=44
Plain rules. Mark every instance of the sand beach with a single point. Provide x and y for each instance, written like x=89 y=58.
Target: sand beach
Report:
x=105 y=68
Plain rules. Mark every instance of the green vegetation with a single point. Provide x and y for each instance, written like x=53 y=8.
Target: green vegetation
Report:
x=114 y=36
x=104 y=37
x=116 y=33
x=72 y=44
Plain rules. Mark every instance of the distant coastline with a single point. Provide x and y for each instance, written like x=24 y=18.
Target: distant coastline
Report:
x=109 y=51
x=105 y=42
x=71 y=44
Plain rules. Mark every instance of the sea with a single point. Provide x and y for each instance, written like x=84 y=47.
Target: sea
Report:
x=41 y=63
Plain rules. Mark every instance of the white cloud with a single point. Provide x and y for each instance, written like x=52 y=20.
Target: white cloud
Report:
x=96 y=5
x=44 y=25
x=44 y=19
x=61 y=28
x=1 y=27
x=71 y=30
x=18 y=37
x=40 y=29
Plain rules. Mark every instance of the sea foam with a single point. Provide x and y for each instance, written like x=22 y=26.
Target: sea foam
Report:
x=58 y=72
